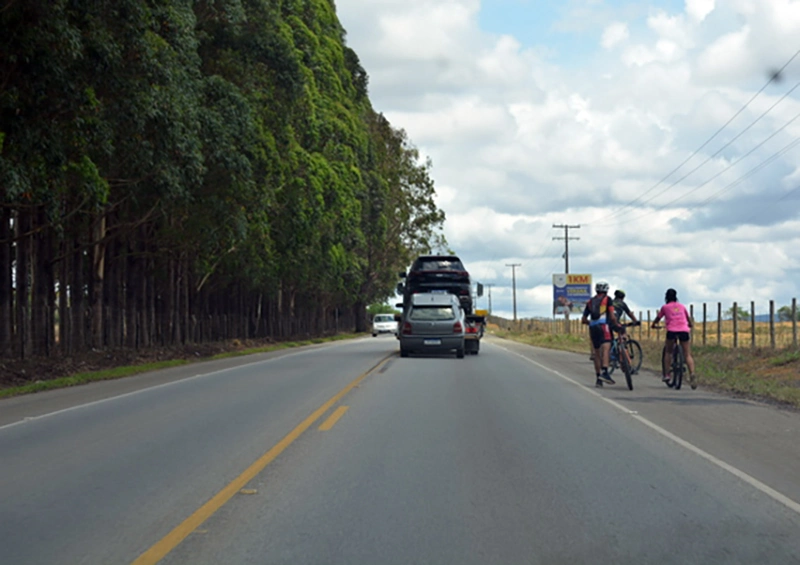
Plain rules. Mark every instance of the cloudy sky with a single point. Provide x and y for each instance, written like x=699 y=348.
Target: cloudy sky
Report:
x=542 y=112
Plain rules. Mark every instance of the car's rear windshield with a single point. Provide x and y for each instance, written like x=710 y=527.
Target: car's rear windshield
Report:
x=432 y=313
x=440 y=265
x=384 y=318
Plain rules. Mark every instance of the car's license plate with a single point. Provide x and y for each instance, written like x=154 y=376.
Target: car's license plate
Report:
x=432 y=342
x=438 y=291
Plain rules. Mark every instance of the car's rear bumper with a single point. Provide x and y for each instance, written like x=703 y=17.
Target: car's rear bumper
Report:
x=431 y=343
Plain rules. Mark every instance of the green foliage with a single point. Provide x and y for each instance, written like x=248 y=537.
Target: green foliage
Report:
x=785 y=358
x=235 y=132
x=381 y=308
x=785 y=314
x=741 y=313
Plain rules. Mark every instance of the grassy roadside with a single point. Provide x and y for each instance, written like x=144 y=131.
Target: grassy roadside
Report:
x=129 y=370
x=760 y=374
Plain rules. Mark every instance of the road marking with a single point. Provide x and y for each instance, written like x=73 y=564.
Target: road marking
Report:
x=333 y=418
x=304 y=350
x=749 y=479
x=169 y=542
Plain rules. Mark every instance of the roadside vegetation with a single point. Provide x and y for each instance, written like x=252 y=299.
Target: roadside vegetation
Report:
x=35 y=377
x=188 y=172
x=757 y=373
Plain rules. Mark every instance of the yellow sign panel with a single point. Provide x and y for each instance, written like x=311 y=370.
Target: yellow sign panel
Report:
x=579 y=279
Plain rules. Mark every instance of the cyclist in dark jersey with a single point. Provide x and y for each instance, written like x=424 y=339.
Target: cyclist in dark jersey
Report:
x=599 y=316
x=621 y=310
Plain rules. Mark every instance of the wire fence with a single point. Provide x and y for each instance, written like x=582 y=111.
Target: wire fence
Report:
x=733 y=328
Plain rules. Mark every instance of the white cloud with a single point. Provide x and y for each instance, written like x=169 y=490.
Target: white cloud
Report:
x=521 y=140
x=699 y=9
x=614 y=34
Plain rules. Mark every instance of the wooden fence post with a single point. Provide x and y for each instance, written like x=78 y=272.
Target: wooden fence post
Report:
x=705 y=317
x=640 y=325
x=752 y=324
x=772 y=324
x=735 y=325
x=648 y=325
x=719 y=323
x=794 y=323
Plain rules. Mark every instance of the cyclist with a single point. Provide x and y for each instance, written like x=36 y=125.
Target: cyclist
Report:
x=599 y=315
x=679 y=324
x=620 y=311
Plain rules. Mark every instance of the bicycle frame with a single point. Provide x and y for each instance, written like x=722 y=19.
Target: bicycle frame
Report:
x=677 y=365
x=619 y=353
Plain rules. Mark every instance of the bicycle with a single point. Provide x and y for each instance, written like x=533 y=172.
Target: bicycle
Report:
x=678 y=366
x=622 y=357
x=633 y=349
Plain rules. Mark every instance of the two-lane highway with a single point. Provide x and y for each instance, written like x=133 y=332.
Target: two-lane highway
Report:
x=310 y=457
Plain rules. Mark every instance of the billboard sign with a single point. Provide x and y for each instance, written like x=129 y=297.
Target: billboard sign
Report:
x=570 y=293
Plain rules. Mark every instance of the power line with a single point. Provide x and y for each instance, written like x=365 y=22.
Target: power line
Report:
x=771 y=79
x=548 y=273
x=733 y=164
x=764 y=163
x=721 y=149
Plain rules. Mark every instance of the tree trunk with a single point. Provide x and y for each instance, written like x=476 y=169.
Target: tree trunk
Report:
x=78 y=302
x=132 y=309
x=359 y=312
x=64 y=290
x=22 y=281
x=6 y=286
x=98 y=273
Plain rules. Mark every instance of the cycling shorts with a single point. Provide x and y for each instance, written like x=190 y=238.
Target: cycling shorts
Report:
x=600 y=334
x=680 y=336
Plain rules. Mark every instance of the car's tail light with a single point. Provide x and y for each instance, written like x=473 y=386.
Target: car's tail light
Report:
x=457 y=328
x=407 y=328
x=471 y=330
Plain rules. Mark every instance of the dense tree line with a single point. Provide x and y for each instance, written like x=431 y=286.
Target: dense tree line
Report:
x=188 y=170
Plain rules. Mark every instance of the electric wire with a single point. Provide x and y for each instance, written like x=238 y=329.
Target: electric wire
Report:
x=771 y=79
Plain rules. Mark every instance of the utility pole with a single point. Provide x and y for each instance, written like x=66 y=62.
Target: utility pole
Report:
x=489 y=286
x=514 y=285
x=566 y=239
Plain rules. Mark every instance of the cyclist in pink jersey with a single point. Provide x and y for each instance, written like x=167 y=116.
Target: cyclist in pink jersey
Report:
x=679 y=325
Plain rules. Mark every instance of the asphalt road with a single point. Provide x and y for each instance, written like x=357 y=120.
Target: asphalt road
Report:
x=345 y=453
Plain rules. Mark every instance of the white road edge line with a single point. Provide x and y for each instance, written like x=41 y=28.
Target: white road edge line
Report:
x=27 y=419
x=749 y=479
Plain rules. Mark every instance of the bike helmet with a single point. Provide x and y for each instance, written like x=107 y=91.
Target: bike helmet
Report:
x=619 y=293
x=601 y=286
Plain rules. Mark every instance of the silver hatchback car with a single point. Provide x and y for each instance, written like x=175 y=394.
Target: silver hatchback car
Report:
x=434 y=322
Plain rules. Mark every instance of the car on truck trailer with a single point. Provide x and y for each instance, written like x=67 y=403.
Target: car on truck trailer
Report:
x=438 y=273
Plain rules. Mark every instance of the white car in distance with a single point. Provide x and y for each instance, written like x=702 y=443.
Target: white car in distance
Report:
x=384 y=324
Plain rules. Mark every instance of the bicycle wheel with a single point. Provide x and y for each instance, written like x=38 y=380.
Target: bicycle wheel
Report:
x=677 y=367
x=613 y=357
x=669 y=381
x=625 y=365
x=635 y=354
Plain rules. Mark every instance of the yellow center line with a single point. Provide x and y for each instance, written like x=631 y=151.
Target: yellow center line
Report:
x=169 y=542
x=333 y=418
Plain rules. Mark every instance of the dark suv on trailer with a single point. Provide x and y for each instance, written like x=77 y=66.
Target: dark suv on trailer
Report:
x=438 y=273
